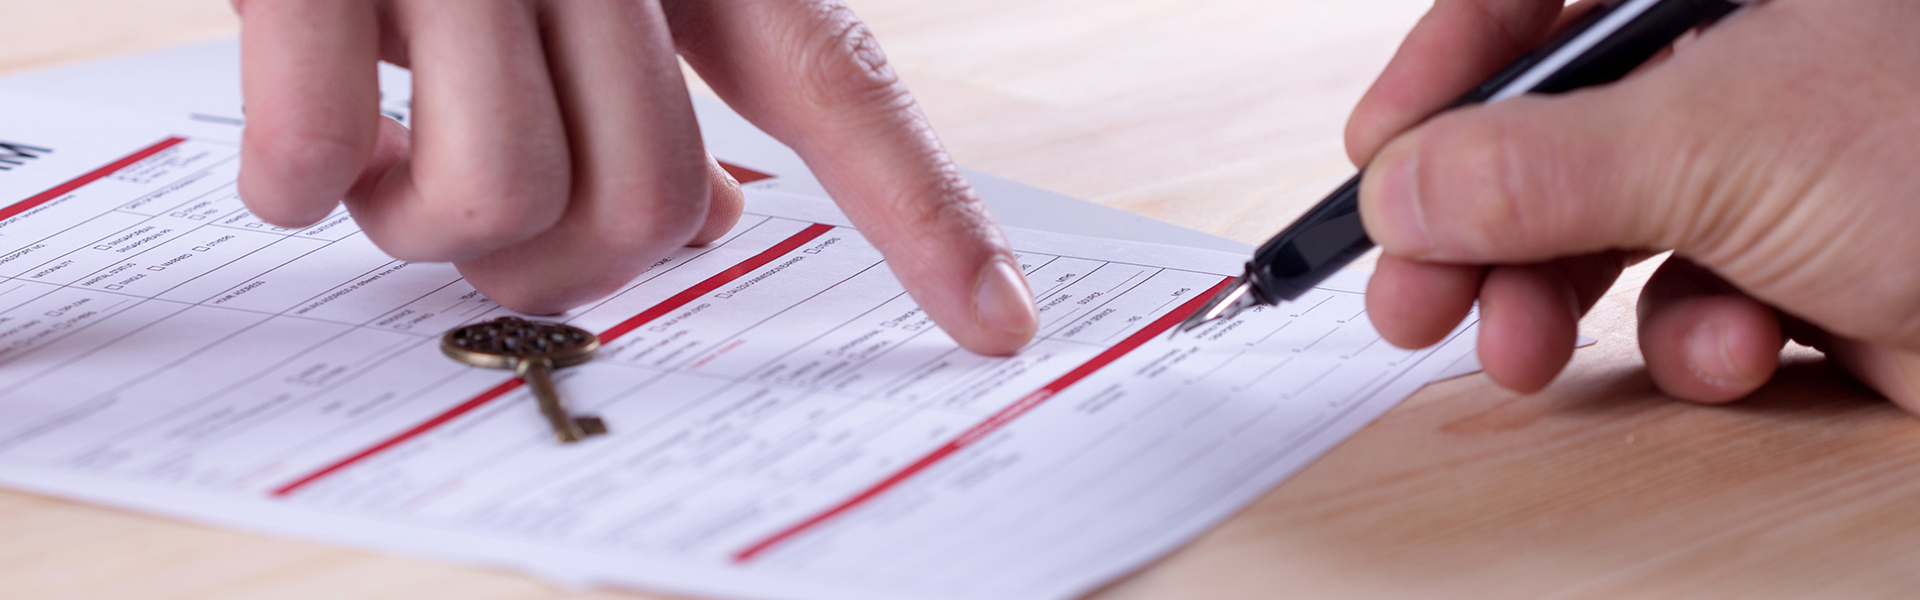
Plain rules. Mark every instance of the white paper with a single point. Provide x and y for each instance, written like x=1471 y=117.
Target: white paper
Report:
x=786 y=424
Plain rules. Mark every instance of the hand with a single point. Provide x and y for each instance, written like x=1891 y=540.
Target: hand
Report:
x=554 y=153
x=1775 y=155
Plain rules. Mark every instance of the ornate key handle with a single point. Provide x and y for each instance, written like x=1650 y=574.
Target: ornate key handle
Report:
x=503 y=342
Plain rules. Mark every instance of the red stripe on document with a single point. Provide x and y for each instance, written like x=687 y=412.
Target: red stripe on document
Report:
x=464 y=407
x=742 y=174
x=714 y=282
x=669 y=305
x=59 y=190
x=992 y=424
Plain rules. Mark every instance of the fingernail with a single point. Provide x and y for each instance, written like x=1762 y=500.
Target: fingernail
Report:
x=1709 y=355
x=1404 y=229
x=1002 y=301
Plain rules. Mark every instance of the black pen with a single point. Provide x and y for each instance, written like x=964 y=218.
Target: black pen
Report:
x=1604 y=45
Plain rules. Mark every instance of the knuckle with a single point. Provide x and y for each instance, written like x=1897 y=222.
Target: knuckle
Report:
x=643 y=237
x=644 y=222
x=482 y=205
x=1477 y=184
x=1518 y=185
x=942 y=208
x=843 y=65
x=477 y=214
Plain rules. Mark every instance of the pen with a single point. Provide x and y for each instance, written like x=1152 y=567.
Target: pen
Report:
x=1603 y=45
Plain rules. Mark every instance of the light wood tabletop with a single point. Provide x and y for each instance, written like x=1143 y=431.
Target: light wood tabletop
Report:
x=1225 y=117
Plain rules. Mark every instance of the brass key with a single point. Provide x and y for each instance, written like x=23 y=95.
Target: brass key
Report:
x=532 y=349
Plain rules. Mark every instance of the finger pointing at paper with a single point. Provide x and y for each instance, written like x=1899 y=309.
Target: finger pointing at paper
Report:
x=554 y=153
x=1773 y=155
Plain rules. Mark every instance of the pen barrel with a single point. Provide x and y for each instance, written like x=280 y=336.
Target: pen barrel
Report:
x=1325 y=239
x=1577 y=57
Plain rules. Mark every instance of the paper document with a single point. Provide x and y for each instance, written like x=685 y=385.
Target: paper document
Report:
x=785 y=422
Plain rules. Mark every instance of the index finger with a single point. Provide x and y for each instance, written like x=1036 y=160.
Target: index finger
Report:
x=811 y=74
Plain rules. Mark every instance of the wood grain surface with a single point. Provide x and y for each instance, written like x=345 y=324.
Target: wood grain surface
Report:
x=1224 y=116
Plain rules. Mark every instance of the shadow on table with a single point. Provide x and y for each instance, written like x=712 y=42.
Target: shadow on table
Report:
x=1806 y=386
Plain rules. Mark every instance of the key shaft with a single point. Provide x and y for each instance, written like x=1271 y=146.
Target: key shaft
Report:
x=538 y=373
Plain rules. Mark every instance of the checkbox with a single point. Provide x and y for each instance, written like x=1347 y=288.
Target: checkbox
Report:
x=197 y=217
x=178 y=214
x=115 y=286
x=53 y=313
x=103 y=247
x=723 y=296
x=280 y=229
x=201 y=248
x=156 y=268
x=810 y=251
x=254 y=225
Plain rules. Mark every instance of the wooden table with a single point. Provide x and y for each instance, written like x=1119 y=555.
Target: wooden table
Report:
x=1225 y=117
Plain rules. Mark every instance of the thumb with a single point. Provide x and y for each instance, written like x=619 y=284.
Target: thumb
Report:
x=1528 y=180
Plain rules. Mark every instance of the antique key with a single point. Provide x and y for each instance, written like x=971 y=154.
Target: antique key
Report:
x=533 y=349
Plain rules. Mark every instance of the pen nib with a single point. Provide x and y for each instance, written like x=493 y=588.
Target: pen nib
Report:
x=1224 y=305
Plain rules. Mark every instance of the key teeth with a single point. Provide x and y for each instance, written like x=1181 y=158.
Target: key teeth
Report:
x=590 y=425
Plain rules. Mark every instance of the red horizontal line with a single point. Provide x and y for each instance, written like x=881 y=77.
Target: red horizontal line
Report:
x=714 y=282
x=656 y=311
x=111 y=168
x=464 y=407
x=992 y=424
x=742 y=174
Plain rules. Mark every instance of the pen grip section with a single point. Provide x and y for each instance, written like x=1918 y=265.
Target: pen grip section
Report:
x=1328 y=237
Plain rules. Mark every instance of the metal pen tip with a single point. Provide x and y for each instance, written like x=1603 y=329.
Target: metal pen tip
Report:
x=1224 y=305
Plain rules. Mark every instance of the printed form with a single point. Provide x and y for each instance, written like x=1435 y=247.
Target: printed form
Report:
x=785 y=423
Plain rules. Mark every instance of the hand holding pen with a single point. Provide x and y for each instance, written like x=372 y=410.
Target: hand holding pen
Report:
x=1774 y=154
